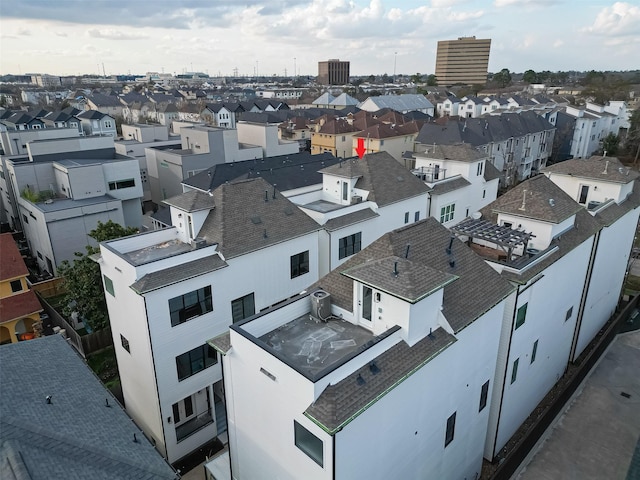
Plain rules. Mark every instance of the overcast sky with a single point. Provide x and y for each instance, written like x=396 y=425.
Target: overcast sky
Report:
x=66 y=37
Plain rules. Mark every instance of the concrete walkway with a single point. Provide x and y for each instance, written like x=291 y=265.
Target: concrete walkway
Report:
x=597 y=435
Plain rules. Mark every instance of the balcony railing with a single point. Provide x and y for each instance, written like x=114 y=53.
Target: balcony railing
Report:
x=430 y=174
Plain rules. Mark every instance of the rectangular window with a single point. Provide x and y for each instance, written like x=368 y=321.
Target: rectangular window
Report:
x=243 y=307
x=308 y=443
x=406 y=217
x=195 y=361
x=479 y=169
x=416 y=216
x=24 y=218
x=447 y=213
x=117 y=185
x=521 y=315
x=451 y=428
x=534 y=351
x=299 y=264
x=125 y=343
x=484 y=394
x=190 y=305
x=349 y=245
x=345 y=191
x=569 y=313
x=16 y=286
x=108 y=285
x=484 y=193
x=514 y=370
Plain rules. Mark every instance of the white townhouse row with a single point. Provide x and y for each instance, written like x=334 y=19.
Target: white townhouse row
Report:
x=425 y=352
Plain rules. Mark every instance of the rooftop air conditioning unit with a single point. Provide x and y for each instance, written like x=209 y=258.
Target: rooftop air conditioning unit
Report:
x=356 y=199
x=320 y=305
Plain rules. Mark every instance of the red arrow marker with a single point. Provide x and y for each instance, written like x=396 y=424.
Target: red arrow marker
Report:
x=360 y=148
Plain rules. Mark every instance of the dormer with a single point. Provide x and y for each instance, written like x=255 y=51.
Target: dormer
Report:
x=394 y=291
x=189 y=212
x=339 y=183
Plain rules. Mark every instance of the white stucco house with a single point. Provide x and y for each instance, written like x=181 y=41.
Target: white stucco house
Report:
x=341 y=368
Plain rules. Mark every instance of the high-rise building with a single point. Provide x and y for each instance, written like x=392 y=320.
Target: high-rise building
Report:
x=462 y=61
x=333 y=72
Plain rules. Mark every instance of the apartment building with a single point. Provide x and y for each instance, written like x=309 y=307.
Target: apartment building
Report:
x=333 y=72
x=464 y=60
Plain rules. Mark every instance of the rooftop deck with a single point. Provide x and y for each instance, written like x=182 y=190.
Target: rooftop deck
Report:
x=312 y=347
x=157 y=252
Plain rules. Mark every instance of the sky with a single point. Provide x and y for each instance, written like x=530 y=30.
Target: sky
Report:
x=271 y=37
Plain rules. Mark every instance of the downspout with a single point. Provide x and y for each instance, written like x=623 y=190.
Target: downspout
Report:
x=583 y=298
x=335 y=440
x=506 y=371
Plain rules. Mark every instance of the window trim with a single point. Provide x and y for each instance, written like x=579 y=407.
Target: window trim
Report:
x=484 y=395
x=205 y=304
x=534 y=351
x=299 y=264
x=108 y=285
x=243 y=299
x=514 y=370
x=447 y=213
x=125 y=343
x=349 y=245
x=205 y=351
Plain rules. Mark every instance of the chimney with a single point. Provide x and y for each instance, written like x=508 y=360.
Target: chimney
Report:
x=523 y=207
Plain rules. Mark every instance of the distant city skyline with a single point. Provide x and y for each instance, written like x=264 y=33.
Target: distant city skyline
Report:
x=274 y=37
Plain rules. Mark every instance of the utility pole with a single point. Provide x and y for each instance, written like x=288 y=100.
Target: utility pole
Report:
x=395 y=57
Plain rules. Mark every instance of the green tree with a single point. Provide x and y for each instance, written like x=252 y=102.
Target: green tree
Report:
x=530 y=76
x=502 y=78
x=417 y=78
x=83 y=282
x=610 y=144
x=632 y=142
x=432 y=81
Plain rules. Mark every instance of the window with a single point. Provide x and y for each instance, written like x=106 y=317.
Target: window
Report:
x=514 y=370
x=345 y=191
x=484 y=193
x=118 y=184
x=416 y=216
x=24 y=218
x=534 y=351
x=190 y=305
x=569 y=313
x=108 y=285
x=107 y=124
x=406 y=217
x=484 y=393
x=195 y=361
x=451 y=428
x=447 y=213
x=520 y=316
x=584 y=192
x=243 y=307
x=16 y=286
x=299 y=264
x=125 y=343
x=349 y=245
x=308 y=443
x=479 y=169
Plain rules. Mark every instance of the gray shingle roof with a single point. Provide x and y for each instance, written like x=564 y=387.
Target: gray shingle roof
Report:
x=491 y=172
x=340 y=403
x=441 y=188
x=178 y=273
x=401 y=103
x=191 y=201
x=382 y=176
x=461 y=152
x=608 y=169
x=541 y=198
x=76 y=436
x=247 y=217
x=477 y=289
x=350 y=219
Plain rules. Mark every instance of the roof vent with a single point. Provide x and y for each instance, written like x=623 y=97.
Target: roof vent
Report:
x=552 y=202
x=524 y=201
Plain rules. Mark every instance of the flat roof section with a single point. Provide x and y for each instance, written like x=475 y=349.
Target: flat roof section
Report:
x=311 y=346
x=323 y=206
x=156 y=252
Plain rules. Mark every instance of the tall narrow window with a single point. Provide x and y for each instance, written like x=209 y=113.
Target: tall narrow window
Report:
x=243 y=307
x=521 y=315
x=108 y=285
x=484 y=393
x=299 y=264
x=406 y=217
x=451 y=428
x=345 y=191
x=514 y=370
x=534 y=351
x=584 y=192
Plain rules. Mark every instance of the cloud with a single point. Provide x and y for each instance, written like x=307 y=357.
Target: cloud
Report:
x=522 y=3
x=23 y=32
x=61 y=34
x=446 y=3
x=619 y=19
x=112 y=34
